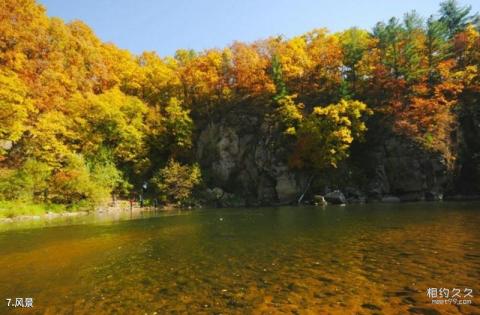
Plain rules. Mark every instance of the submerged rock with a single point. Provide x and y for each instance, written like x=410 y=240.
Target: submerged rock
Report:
x=336 y=197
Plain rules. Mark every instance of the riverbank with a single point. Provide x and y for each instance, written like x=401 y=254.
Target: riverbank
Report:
x=19 y=210
x=14 y=212
x=11 y=212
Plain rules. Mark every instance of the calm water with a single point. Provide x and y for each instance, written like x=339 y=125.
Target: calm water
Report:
x=345 y=260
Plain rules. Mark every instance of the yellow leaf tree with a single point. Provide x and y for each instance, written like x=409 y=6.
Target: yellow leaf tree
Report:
x=325 y=136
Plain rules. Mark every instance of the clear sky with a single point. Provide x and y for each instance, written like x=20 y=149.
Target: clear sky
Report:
x=167 y=25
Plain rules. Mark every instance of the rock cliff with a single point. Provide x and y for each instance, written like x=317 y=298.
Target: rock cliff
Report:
x=241 y=157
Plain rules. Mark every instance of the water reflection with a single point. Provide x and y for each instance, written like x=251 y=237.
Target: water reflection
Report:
x=356 y=259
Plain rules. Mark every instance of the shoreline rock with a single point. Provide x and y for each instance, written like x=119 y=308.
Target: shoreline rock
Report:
x=336 y=197
x=320 y=200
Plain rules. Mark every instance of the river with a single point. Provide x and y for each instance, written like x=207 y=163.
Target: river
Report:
x=365 y=259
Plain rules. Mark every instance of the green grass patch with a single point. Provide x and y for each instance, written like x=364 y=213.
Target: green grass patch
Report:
x=10 y=209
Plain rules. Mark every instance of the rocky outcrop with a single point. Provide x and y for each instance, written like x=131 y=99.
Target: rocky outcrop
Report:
x=403 y=169
x=240 y=155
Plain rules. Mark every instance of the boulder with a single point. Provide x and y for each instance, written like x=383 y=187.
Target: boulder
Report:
x=336 y=197
x=319 y=200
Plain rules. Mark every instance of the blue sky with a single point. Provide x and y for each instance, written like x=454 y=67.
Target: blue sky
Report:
x=167 y=25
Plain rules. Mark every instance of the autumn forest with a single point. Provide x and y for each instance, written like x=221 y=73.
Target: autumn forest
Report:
x=82 y=120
